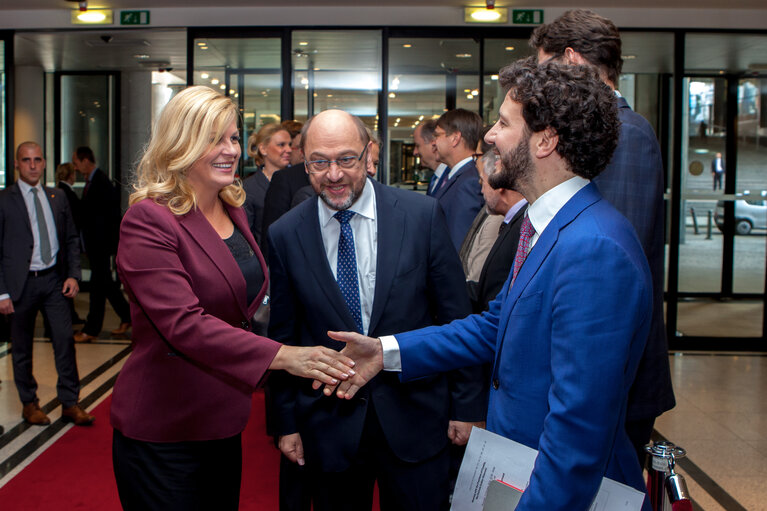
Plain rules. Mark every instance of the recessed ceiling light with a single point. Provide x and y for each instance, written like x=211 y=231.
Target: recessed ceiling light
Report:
x=215 y=81
x=629 y=57
x=392 y=95
x=407 y=45
x=204 y=76
x=303 y=43
x=463 y=55
x=222 y=86
x=201 y=43
x=494 y=77
x=509 y=48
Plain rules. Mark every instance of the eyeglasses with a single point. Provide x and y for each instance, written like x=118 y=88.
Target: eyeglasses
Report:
x=345 y=163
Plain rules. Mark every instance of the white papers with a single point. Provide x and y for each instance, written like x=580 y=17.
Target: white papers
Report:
x=490 y=456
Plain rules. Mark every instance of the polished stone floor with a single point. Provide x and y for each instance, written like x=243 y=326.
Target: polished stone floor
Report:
x=720 y=417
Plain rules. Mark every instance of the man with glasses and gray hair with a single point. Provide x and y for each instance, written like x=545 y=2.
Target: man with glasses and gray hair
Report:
x=372 y=259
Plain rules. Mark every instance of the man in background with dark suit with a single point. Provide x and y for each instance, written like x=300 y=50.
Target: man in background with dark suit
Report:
x=39 y=269
x=100 y=231
x=369 y=258
x=633 y=183
x=457 y=191
x=510 y=205
x=65 y=178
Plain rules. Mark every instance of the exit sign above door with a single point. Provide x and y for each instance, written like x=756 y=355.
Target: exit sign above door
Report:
x=527 y=16
x=134 y=17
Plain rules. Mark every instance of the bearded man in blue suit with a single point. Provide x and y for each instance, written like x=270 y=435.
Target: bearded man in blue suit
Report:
x=566 y=333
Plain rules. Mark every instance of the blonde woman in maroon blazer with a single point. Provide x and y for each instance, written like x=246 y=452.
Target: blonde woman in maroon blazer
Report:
x=194 y=276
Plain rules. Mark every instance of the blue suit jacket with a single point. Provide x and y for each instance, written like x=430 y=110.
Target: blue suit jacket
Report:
x=419 y=282
x=633 y=183
x=565 y=342
x=461 y=199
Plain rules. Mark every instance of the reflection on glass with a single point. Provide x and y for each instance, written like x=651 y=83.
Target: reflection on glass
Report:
x=700 y=249
x=426 y=77
x=337 y=69
x=86 y=118
x=498 y=54
x=249 y=71
x=751 y=188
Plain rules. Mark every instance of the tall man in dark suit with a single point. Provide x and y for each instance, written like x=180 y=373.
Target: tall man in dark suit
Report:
x=373 y=259
x=457 y=191
x=39 y=270
x=633 y=183
x=511 y=206
x=100 y=231
x=564 y=341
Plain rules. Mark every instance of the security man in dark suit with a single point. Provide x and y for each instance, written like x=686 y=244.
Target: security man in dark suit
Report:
x=100 y=233
x=39 y=269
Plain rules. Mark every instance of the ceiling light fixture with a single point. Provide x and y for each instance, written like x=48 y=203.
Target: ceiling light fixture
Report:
x=487 y=14
x=91 y=17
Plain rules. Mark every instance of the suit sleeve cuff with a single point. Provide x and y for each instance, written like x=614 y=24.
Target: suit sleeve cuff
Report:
x=391 y=356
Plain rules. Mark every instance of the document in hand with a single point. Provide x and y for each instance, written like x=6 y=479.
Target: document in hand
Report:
x=492 y=457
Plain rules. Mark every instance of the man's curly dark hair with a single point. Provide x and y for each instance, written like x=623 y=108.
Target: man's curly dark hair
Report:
x=575 y=103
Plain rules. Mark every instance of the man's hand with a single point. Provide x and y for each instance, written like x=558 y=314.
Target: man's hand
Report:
x=292 y=447
x=368 y=355
x=6 y=306
x=458 y=432
x=71 y=288
x=314 y=362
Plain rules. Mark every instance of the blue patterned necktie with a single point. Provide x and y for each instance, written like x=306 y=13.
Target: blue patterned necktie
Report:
x=346 y=269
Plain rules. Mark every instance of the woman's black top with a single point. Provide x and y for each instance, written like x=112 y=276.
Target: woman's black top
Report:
x=248 y=262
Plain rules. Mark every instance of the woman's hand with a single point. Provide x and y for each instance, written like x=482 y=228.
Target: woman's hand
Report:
x=314 y=362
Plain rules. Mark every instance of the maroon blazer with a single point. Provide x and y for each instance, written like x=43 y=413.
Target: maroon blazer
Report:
x=195 y=362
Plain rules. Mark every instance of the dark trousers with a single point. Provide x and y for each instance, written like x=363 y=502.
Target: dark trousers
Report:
x=103 y=288
x=639 y=432
x=43 y=293
x=401 y=485
x=718 y=180
x=183 y=476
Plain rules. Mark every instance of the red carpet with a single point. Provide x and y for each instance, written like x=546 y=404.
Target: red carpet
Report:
x=75 y=473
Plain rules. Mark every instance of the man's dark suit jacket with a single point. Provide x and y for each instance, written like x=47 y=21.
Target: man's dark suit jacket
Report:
x=100 y=216
x=255 y=192
x=74 y=202
x=633 y=183
x=497 y=266
x=17 y=242
x=419 y=282
x=279 y=197
x=461 y=199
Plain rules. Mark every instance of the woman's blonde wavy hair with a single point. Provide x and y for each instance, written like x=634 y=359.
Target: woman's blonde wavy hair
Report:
x=190 y=125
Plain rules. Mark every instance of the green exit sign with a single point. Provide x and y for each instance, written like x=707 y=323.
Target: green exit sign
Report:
x=527 y=16
x=134 y=17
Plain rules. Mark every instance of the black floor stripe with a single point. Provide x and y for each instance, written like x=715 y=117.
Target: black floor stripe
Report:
x=49 y=432
x=21 y=427
x=703 y=480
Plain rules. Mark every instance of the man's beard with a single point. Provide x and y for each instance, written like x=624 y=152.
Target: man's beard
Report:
x=516 y=167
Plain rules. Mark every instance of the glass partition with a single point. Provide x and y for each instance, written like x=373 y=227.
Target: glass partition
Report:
x=427 y=76
x=248 y=70
x=498 y=54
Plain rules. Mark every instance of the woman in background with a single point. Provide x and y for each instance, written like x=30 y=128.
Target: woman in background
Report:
x=195 y=276
x=270 y=150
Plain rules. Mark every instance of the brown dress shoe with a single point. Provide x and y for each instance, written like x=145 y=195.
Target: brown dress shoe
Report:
x=32 y=414
x=77 y=415
x=120 y=330
x=83 y=337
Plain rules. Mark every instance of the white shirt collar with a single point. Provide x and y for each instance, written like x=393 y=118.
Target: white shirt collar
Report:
x=543 y=210
x=365 y=205
x=458 y=166
x=26 y=187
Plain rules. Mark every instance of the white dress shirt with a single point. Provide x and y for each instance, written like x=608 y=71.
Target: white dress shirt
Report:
x=540 y=212
x=365 y=229
x=37 y=261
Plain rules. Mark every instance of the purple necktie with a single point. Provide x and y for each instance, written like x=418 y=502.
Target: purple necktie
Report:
x=526 y=232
